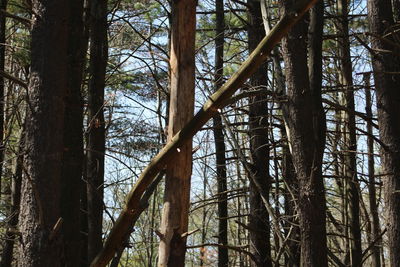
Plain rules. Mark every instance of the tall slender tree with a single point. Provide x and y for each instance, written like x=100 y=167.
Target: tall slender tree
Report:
x=96 y=129
x=307 y=142
x=174 y=222
x=259 y=226
x=350 y=163
x=40 y=213
x=220 y=149
x=386 y=66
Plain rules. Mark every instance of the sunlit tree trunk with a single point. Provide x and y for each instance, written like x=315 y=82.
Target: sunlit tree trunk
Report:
x=174 y=222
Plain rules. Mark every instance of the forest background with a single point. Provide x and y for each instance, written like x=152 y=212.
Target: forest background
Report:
x=300 y=167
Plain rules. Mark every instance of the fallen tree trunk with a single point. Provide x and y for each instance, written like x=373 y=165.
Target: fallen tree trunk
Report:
x=216 y=101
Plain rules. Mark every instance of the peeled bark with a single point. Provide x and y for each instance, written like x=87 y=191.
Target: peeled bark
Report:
x=306 y=142
x=174 y=221
x=259 y=228
x=386 y=66
x=40 y=213
x=96 y=128
x=223 y=259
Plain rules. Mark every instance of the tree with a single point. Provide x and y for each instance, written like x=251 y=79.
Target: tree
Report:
x=96 y=129
x=259 y=227
x=350 y=163
x=40 y=211
x=386 y=65
x=72 y=162
x=306 y=142
x=174 y=221
x=220 y=149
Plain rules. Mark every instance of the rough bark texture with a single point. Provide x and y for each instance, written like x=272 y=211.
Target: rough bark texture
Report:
x=350 y=141
x=387 y=83
x=96 y=127
x=73 y=138
x=259 y=228
x=306 y=140
x=223 y=260
x=174 y=221
x=40 y=213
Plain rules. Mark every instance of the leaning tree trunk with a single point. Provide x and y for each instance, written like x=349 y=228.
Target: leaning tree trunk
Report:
x=259 y=228
x=40 y=214
x=306 y=142
x=73 y=138
x=386 y=66
x=219 y=139
x=96 y=128
x=174 y=221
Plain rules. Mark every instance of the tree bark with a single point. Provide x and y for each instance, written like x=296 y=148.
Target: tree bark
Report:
x=40 y=213
x=73 y=138
x=259 y=228
x=174 y=221
x=96 y=128
x=386 y=65
x=306 y=142
x=350 y=146
x=223 y=259
x=216 y=101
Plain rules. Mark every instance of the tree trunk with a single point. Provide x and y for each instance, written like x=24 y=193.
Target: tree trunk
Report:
x=96 y=128
x=306 y=142
x=223 y=260
x=350 y=141
x=174 y=221
x=386 y=66
x=259 y=228
x=373 y=207
x=40 y=214
x=73 y=138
